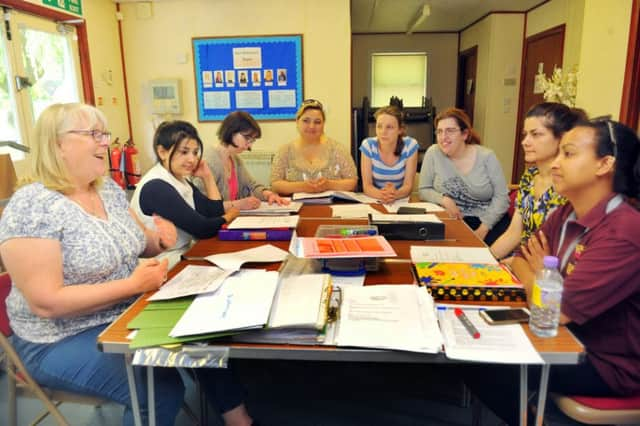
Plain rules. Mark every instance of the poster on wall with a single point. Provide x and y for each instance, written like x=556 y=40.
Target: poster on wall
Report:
x=260 y=75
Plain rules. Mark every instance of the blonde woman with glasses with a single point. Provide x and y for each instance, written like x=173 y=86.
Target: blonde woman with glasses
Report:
x=464 y=177
x=313 y=162
x=71 y=246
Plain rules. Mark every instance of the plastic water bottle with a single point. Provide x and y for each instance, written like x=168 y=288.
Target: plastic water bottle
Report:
x=545 y=299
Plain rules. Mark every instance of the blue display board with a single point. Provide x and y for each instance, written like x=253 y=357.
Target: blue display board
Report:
x=260 y=75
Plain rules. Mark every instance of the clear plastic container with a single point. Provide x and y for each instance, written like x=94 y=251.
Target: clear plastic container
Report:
x=546 y=299
x=348 y=266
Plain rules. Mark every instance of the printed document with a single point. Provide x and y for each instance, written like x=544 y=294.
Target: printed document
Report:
x=430 y=207
x=193 y=279
x=274 y=209
x=264 y=222
x=504 y=344
x=417 y=218
x=234 y=260
x=351 y=211
x=421 y=254
x=390 y=317
x=243 y=302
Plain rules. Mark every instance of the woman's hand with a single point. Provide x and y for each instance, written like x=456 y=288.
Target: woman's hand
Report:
x=150 y=274
x=203 y=171
x=451 y=207
x=167 y=233
x=248 y=203
x=317 y=185
x=388 y=194
x=231 y=214
x=272 y=197
x=535 y=250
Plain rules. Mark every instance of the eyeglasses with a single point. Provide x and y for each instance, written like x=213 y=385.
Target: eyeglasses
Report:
x=250 y=139
x=448 y=131
x=97 y=135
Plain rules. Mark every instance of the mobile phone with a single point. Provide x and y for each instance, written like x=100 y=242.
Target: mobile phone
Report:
x=505 y=316
x=411 y=210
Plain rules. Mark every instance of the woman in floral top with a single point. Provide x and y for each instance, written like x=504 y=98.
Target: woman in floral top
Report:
x=544 y=126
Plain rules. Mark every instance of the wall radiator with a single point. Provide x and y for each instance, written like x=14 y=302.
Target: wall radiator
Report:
x=259 y=165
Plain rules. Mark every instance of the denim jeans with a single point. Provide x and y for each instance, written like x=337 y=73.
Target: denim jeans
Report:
x=75 y=364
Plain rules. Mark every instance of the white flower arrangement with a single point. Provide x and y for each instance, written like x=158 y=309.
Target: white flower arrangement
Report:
x=561 y=86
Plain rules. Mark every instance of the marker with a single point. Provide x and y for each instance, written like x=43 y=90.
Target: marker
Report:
x=473 y=331
x=350 y=232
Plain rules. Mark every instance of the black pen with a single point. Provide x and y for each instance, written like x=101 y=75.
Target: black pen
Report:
x=473 y=331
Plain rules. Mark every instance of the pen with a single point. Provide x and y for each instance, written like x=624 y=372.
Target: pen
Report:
x=345 y=236
x=351 y=232
x=473 y=331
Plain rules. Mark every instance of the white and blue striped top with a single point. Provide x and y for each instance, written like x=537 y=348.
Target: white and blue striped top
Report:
x=383 y=173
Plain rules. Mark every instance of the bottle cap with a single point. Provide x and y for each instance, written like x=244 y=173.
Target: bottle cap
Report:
x=550 y=262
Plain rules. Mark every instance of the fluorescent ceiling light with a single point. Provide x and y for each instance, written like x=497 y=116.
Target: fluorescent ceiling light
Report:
x=423 y=13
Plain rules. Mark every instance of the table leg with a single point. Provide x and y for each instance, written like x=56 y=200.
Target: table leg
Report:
x=151 y=396
x=135 y=406
x=523 y=395
x=542 y=394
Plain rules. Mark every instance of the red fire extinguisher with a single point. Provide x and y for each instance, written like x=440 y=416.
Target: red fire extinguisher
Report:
x=115 y=157
x=131 y=165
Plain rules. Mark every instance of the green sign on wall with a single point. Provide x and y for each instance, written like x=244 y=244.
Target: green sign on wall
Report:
x=73 y=6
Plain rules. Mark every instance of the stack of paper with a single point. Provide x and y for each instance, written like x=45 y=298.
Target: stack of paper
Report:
x=388 y=316
x=301 y=302
x=357 y=246
x=274 y=209
x=264 y=222
x=327 y=197
x=242 y=303
x=506 y=344
x=430 y=207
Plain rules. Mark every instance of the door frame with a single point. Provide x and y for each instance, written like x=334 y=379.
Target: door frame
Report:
x=630 y=108
x=560 y=29
x=81 y=31
x=462 y=61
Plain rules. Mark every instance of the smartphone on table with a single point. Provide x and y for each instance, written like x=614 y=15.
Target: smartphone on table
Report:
x=505 y=316
x=411 y=210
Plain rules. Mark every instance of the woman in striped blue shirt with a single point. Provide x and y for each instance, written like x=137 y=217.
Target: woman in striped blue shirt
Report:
x=388 y=161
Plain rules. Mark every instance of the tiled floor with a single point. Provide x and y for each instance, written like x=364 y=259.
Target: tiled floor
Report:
x=284 y=393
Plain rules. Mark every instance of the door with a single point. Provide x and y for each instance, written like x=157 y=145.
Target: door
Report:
x=39 y=66
x=467 y=69
x=542 y=51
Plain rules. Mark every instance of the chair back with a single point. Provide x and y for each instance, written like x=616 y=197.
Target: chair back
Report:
x=5 y=289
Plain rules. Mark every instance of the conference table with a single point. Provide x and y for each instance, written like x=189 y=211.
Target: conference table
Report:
x=562 y=349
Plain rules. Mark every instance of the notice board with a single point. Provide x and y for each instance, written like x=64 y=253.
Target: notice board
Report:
x=260 y=75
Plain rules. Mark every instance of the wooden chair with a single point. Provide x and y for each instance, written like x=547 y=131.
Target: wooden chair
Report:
x=20 y=382
x=600 y=410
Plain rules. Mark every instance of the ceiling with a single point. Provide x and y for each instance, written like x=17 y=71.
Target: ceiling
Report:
x=393 y=16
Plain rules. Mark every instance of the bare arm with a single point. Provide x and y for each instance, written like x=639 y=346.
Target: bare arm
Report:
x=367 y=178
x=508 y=241
x=409 y=176
x=164 y=237
x=35 y=265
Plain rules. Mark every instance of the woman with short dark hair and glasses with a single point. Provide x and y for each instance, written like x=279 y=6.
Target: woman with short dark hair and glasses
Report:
x=464 y=177
x=166 y=189
x=544 y=125
x=312 y=162
x=596 y=237
x=237 y=133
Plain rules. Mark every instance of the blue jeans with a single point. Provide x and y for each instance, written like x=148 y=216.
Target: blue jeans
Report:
x=75 y=364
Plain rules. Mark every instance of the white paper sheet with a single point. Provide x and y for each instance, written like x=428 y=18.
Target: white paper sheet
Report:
x=298 y=301
x=273 y=209
x=234 y=260
x=430 y=207
x=504 y=344
x=452 y=255
x=193 y=279
x=264 y=222
x=243 y=302
x=389 y=316
x=351 y=211
x=348 y=281
x=418 y=218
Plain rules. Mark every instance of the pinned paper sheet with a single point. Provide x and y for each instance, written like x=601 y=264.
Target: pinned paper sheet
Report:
x=234 y=260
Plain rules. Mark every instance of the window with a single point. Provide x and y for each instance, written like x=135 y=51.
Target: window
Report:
x=398 y=74
x=39 y=65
